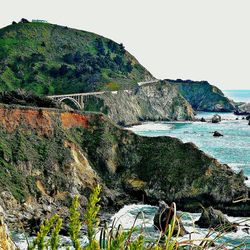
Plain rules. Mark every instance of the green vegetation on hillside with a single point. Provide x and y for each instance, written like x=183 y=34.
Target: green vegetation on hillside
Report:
x=50 y=59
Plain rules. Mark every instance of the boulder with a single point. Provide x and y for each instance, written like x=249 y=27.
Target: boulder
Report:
x=212 y=218
x=8 y=200
x=248 y=117
x=216 y=119
x=246 y=230
x=164 y=216
x=249 y=122
x=203 y=119
x=217 y=134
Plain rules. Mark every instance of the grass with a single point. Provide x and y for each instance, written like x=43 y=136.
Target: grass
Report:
x=116 y=238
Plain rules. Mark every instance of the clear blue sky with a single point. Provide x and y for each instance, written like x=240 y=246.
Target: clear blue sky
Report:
x=188 y=39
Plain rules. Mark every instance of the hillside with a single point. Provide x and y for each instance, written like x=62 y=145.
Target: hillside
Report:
x=203 y=96
x=50 y=59
x=47 y=156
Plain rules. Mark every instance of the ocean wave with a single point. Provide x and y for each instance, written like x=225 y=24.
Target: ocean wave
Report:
x=237 y=166
x=126 y=217
x=149 y=126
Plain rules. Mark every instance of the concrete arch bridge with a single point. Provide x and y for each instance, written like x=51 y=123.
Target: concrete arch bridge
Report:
x=77 y=99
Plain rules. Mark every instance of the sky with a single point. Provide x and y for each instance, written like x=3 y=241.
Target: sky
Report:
x=187 y=39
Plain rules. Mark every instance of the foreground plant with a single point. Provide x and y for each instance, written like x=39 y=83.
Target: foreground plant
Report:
x=90 y=218
x=75 y=224
x=40 y=242
x=115 y=237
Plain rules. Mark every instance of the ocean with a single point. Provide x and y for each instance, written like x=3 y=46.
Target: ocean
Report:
x=233 y=149
x=238 y=95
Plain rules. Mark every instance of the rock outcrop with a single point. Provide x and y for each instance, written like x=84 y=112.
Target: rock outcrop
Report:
x=217 y=134
x=243 y=109
x=150 y=102
x=47 y=156
x=203 y=96
x=163 y=218
x=213 y=218
x=216 y=119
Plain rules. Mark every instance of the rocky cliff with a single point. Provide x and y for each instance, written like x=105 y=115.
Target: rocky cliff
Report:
x=203 y=96
x=155 y=101
x=243 y=109
x=47 y=156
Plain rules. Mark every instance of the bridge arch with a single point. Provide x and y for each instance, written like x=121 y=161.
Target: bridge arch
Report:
x=71 y=99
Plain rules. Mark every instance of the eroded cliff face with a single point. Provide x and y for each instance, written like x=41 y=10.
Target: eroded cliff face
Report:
x=47 y=156
x=154 y=101
x=243 y=109
x=5 y=239
x=203 y=96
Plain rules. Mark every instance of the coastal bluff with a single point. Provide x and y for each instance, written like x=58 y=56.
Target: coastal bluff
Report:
x=47 y=156
x=203 y=96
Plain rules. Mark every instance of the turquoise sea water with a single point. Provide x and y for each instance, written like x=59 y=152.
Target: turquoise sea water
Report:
x=238 y=95
x=233 y=148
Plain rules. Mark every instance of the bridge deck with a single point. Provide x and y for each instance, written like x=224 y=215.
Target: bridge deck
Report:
x=77 y=94
x=97 y=93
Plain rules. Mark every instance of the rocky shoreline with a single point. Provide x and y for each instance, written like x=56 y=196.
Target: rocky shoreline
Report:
x=53 y=155
x=243 y=109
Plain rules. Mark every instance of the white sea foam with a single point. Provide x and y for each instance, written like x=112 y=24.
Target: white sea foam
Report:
x=149 y=126
x=21 y=242
x=237 y=167
x=126 y=217
x=247 y=182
